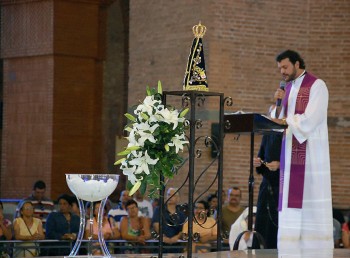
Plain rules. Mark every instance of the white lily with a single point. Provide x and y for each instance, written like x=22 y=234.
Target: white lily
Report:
x=132 y=139
x=145 y=136
x=178 y=141
x=146 y=127
x=147 y=106
x=129 y=172
x=155 y=118
x=170 y=117
x=145 y=131
x=142 y=161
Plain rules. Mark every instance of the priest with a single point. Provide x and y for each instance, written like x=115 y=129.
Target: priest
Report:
x=305 y=200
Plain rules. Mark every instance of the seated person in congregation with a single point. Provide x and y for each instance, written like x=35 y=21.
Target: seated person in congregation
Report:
x=110 y=229
x=174 y=219
x=133 y=227
x=5 y=230
x=75 y=206
x=5 y=225
x=145 y=206
x=241 y=225
x=27 y=228
x=232 y=210
x=213 y=204
x=120 y=210
x=204 y=228
x=346 y=234
x=62 y=225
x=43 y=206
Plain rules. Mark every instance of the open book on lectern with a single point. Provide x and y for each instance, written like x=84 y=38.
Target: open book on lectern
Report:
x=240 y=122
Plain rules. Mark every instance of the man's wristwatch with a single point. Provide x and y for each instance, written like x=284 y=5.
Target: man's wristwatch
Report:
x=284 y=122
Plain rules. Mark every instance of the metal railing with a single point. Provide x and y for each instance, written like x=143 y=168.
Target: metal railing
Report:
x=47 y=247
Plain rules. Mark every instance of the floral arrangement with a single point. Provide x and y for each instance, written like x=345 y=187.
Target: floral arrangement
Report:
x=156 y=135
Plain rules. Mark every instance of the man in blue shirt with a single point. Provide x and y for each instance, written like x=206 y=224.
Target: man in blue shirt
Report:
x=174 y=218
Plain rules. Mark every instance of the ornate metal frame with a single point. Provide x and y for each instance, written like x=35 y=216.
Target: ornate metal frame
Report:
x=194 y=100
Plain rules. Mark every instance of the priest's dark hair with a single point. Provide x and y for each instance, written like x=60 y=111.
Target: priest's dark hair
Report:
x=293 y=57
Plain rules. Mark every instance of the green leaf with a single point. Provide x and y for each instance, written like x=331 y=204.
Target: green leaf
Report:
x=143 y=187
x=130 y=117
x=129 y=185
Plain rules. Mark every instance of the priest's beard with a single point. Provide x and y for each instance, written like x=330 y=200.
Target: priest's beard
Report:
x=292 y=76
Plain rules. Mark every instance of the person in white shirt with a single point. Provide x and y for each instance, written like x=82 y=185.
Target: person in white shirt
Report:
x=145 y=206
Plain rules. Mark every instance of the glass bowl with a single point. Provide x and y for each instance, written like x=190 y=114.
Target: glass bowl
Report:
x=92 y=187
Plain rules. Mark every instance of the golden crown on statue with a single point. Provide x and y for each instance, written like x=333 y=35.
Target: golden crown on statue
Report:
x=199 y=30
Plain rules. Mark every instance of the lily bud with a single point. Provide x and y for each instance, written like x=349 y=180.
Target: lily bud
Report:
x=119 y=161
x=135 y=188
x=148 y=91
x=160 y=90
x=128 y=129
x=132 y=148
x=123 y=153
x=184 y=112
x=130 y=117
x=144 y=116
x=166 y=147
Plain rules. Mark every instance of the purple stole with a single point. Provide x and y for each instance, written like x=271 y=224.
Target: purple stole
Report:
x=297 y=168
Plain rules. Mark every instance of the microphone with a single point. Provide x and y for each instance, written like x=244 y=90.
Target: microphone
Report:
x=282 y=86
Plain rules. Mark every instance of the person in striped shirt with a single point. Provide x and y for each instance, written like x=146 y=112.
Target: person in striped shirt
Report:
x=43 y=206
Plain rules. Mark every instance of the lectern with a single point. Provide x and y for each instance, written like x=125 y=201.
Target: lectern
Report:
x=250 y=123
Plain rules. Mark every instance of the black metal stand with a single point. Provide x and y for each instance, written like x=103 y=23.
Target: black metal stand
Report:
x=256 y=236
x=195 y=100
x=250 y=124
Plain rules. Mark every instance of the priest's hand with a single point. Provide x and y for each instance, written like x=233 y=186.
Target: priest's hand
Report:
x=279 y=121
x=279 y=94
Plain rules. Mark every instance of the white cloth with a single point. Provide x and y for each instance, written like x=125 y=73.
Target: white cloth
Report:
x=238 y=227
x=312 y=225
x=145 y=207
x=306 y=253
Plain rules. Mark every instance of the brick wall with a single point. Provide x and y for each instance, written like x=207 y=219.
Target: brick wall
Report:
x=53 y=66
x=28 y=101
x=27 y=123
x=242 y=39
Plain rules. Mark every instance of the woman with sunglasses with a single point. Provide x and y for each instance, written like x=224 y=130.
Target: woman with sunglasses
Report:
x=27 y=228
